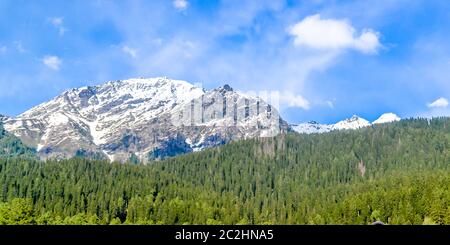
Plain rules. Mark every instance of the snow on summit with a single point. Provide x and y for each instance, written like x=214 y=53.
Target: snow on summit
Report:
x=386 y=118
x=152 y=118
x=355 y=122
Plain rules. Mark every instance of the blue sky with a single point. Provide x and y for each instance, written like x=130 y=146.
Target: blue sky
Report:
x=328 y=59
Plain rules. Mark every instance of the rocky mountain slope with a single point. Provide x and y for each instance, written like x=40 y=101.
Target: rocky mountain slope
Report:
x=3 y=118
x=142 y=118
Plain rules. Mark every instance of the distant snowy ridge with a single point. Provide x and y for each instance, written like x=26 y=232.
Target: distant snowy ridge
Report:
x=355 y=122
x=311 y=128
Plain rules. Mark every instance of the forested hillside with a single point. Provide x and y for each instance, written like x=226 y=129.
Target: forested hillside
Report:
x=398 y=173
x=11 y=146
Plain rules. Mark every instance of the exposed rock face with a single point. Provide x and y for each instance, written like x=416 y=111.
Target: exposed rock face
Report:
x=3 y=118
x=149 y=118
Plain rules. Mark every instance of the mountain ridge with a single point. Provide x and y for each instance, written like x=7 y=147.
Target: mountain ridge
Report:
x=355 y=122
x=146 y=118
x=153 y=118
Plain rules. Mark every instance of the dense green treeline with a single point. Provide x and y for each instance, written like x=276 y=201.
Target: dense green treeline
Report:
x=398 y=173
x=398 y=199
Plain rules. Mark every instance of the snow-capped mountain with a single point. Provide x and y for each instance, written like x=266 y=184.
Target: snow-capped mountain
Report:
x=150 y=118
x=355 y=122
x=386 y=118
x=312 y=128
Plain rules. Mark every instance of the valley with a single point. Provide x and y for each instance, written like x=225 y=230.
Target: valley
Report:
x=287 y=179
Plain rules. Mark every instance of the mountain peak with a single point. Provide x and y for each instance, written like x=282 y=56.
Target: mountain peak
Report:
x=224 y=89
x=354 y=118
x=354 y=122
x=154 y=81
x=386 y=118
x=143 y=116
x=227 y=87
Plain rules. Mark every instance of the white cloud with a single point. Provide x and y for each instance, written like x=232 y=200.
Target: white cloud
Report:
x=439 y=103
x=180 y=4
x=58 y=23
x=130 y=51
x=19 y=47
x=53 y=62
x=290 y=99
x=333 y=34
x=330 y=104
